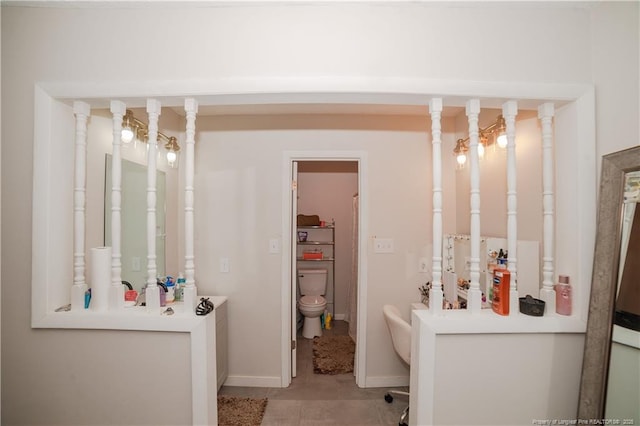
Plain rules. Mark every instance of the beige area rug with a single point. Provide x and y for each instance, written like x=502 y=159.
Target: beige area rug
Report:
x=333 y=354
x=238 y=411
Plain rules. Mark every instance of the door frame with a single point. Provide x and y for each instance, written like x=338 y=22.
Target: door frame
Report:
x=289 y=283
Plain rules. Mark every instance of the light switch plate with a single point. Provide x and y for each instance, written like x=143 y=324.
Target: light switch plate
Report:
x=274 y=245
x=224 y=264
x=383 y=245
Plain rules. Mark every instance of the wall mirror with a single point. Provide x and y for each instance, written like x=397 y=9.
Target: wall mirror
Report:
x=134 y=221
x=457 y=252
x=610 y=383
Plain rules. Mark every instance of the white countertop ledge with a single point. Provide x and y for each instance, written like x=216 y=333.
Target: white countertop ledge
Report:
x=461 y=321
x=625 y=336
x=129 y=318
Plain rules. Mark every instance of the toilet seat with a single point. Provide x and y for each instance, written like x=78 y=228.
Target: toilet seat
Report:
x=312 y=301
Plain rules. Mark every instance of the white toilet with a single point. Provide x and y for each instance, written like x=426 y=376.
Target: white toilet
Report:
x=312 y=284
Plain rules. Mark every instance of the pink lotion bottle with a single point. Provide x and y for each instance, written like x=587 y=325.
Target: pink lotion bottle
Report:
x=563 y=296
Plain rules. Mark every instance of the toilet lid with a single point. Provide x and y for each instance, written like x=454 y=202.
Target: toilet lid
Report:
x=312 y=300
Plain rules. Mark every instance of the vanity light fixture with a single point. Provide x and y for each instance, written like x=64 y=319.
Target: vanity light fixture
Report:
x=133 y=128
x=497 y=130
x=501 y=132
x=172 y=148
x=460 y=152
x=128 y=124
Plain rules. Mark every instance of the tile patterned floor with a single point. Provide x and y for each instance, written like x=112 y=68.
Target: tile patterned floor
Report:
x=318 y=399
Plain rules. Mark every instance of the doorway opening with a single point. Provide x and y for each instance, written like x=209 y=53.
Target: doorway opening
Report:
x=328 y=187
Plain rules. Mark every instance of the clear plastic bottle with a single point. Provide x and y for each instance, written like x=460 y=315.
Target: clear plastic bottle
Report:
x=563 y=295
x=171 y=289
x=180 y=283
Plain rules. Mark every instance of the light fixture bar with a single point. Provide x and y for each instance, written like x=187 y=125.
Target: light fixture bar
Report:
x=133 y=128
x=140 y=129
x=497 y=128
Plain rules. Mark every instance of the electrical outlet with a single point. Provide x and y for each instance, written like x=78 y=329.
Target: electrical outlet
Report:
x=383 y=245
x=423 y=264
x=274 y=245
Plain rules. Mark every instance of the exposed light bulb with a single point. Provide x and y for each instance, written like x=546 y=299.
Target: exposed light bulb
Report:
x=480 y=150
x=126 y=135
x=461 y=158
x=502 y=140
x=171 y=157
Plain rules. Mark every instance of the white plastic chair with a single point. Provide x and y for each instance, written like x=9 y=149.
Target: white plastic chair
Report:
x=401 y=338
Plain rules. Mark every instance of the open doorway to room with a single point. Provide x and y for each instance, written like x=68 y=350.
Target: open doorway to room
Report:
x=326 y=230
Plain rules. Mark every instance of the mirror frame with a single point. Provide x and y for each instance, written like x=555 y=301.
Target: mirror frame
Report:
x=597 y=346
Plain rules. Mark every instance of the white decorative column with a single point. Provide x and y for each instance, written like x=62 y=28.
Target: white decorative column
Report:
x=509 y=112
x=81 y=111
x=547 y=292
x=190 y=290
x=116 y=291
x=474 y=298
x=436 y=294
x=152 y=290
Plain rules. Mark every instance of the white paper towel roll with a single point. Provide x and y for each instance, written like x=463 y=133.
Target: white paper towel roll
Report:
x=100 y=278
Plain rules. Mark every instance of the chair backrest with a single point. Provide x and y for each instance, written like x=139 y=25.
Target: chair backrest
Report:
x=400 y=332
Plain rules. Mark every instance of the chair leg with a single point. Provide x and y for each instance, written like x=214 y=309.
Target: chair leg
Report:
x=389 y=395
x=404 y=418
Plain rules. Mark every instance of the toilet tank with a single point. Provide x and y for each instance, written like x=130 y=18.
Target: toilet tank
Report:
x=312 y=282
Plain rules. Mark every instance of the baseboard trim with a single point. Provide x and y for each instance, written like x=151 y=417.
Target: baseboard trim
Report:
x=339 y=317
x=386 y=381
x=254 y=381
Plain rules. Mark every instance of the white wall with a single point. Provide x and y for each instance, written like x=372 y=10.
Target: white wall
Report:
x=623 y=388
x=215 y=42
x=239 y=178
x=491 y=386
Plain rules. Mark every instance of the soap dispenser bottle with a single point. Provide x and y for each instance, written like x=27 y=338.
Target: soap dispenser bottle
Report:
x=563 y=296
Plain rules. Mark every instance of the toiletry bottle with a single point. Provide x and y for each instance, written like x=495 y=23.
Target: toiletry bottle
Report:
x=180 y=283
x=501 y=287
x=563 y=295
x=327 y=321
x=171 y=289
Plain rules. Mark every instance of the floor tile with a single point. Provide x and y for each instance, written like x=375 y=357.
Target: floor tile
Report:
x=282 y=413
x=324 y=399
x=339 y=412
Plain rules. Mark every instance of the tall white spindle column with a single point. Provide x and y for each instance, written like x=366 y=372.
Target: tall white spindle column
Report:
x=190 y=290
x=152 y=290
x=547 y=292
x=509 y=112
x=436 y=294
x=116 y=291
x=474 y=297
x=81 y=111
